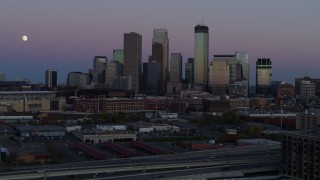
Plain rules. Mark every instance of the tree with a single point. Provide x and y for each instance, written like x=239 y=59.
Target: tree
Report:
x=55 y=151
x=230 y=117
x=254 y=131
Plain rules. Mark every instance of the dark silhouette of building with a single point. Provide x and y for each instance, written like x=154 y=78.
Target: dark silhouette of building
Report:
x=152 y=78
x=132 y=58
x=316 y=81
x=189 y=71
x=51 y=78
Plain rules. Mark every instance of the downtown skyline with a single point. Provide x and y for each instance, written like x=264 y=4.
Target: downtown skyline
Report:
x=66 y=36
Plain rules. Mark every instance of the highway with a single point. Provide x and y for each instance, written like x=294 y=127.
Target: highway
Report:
x=240 y=158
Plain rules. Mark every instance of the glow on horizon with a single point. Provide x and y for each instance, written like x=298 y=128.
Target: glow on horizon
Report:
x=66 y=35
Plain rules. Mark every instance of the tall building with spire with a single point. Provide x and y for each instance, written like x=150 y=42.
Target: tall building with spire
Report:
x=132 y=53
x=160 y=53
x=201 y=49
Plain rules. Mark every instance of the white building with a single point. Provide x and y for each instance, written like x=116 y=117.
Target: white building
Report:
x=94 y=137
x=106 y=127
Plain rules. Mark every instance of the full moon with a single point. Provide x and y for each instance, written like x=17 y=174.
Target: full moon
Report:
x=24 y=38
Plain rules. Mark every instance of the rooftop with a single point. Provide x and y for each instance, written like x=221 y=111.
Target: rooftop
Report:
x=313 y=134
x=40 y=128
x=100 y=132
x=27 y=92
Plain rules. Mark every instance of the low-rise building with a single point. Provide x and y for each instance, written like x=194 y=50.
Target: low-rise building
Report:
x=94 y=136
x=108 y=105
x=111 y=127
x=45 y=131
x=143 y=127
x=239 y=102
x=30 y=101
x=70 y=128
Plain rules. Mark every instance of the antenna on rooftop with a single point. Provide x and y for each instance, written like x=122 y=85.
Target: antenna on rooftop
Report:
x=306 y=73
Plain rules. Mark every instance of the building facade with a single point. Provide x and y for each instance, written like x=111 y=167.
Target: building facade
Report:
x=152 y=78
x=160 y=53
x=51 y=78
x=118 y=55
x=243 y=58
x=100 y=62
x=301 y=155
x=189 y=71
x=307 y=89
x=308 y=122
x=219 y=76
x=316 y=81
x=201 y=50
x=94 y=137
x=132 y=58
x=108 y=105
x=113 y=69
x=30 y=101
x=263 y=76
x=78 y=79
x=176 y=68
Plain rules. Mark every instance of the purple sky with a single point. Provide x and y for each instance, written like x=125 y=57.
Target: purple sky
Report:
x=66 y=35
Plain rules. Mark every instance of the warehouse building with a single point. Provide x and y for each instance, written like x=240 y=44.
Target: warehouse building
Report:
x=29 y=132
x=95 y=136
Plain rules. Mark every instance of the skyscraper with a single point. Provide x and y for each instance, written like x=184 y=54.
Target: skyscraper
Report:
x=226 y=75
x=132 y=58
x=189 y=71
x=51 y=78
x=263 y=76
x=201 y=48
x=160 y=53
x=118 y=55
x=176 y=68
x=152 y=77
x=97 y=74
x=99 y=62
x=243 y=58
x=113 y=69
x=219 y=76
x=77 y=79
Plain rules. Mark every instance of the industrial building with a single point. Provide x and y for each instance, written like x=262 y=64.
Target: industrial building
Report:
x=28 y=132
x=94 y=136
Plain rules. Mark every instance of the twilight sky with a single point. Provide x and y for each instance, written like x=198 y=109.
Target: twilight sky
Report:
x=66 y=35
